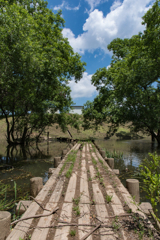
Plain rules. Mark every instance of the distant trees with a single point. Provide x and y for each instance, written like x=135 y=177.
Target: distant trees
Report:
x=36 y=63
x=129 y=90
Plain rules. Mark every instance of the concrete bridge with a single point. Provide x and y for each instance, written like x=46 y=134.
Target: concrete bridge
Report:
x=83 y=199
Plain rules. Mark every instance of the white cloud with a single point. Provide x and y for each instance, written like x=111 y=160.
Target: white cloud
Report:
x=76 y=43
x=115 y=5
x=66 y=6
x=94 y=3
x=83 y=88
x=123 y=21
x=74 y=8
x=59 y=6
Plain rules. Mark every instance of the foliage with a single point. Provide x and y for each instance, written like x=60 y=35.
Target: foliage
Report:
x=150 y=173
x=36 y=65
x=77 y=210
x=129 y=90
x=76 y=200
x=72 y=232
x=71 y=158
x=108 y=198
x=114 y=154
x=115 y=224
x=140 y=225
x=4 y=203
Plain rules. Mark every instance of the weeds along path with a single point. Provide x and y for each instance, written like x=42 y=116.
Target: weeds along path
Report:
x=84 y=199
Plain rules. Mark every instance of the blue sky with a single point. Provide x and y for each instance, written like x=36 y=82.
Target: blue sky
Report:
x=90 y=25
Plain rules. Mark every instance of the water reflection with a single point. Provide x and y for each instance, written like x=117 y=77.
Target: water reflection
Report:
x=17 y=153
x=34 y=161
x=13 y=154
x=134 y=151
x=19 y=164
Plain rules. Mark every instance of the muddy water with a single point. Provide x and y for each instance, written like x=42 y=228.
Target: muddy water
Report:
x=20 y=164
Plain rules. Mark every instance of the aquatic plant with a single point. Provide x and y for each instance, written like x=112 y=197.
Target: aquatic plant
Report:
x=4 y=203
x=114 y=154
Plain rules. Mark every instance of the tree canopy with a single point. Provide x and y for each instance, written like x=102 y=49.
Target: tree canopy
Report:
x=129 y=90
x=36 y=64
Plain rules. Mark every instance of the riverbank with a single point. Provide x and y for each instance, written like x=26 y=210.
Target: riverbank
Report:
x=55 y=132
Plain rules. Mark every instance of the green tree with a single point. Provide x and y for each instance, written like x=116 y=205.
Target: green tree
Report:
x=36 y=64
x=129 y=90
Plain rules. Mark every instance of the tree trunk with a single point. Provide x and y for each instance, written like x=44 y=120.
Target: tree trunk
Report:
x=12 y=128
x=152 y=138
x=8 y=131
x=23 y=139
x=158 y=137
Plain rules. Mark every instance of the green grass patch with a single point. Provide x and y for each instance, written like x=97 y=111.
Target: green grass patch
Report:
x=70 y=158
x=76 y=200
x=72 y=233
x=76 y=210
x=94 y=161
x=108 y=198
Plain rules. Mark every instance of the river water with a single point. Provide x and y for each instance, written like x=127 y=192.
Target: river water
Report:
x=134 y=151
x=20 y=164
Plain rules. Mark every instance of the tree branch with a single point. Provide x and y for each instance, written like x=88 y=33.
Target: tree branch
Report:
x=35 y=216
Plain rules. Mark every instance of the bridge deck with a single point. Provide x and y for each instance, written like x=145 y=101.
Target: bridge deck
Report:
x=90 y=203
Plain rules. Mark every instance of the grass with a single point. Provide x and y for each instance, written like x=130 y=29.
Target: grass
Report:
x=101 y=161
x=69 y=171
x=77 y=210
x=114 y=154
x=4 y=203
x=72 y=233
x=93 y=202
x=76 y=207
x=8 y=201
x=123 y=129
x=70 y=158
x=55 y=131
x=108 y=198
x=76 y=200
x=115 y=224
x=94 y=161
x=98 y=174
x=89 y=134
